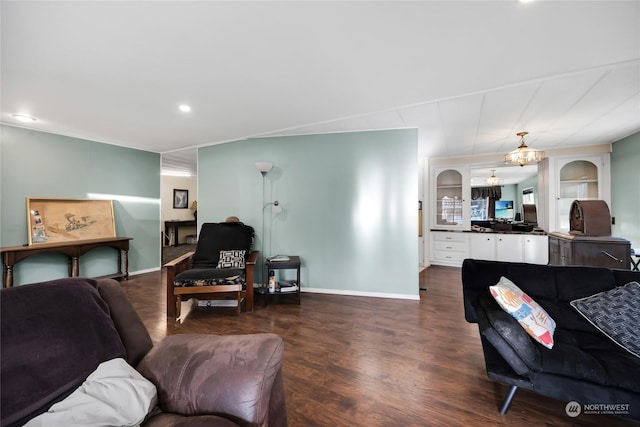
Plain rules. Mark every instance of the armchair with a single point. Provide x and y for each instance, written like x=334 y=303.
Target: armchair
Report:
x=56 y=334
x=221 y=267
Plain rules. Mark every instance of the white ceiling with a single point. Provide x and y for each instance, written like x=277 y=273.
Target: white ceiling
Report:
x=468 y=75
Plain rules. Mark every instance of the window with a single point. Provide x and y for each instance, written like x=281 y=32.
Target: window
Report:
x=480 y=209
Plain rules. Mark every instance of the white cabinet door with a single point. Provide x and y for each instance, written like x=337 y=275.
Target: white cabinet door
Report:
x=536 y=249
x=509 y=247
x=483 y=246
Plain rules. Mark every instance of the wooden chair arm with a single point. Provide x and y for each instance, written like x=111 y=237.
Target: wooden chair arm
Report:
x=253 y=257
x=172 y=269
x=249 y=267
x=181 y=259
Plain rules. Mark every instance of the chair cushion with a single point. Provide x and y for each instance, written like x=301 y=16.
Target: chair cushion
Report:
x=223 y=236
x=210 y=277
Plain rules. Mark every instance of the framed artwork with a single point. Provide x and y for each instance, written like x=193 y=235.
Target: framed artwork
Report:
x=180 y=199
x=68 y=220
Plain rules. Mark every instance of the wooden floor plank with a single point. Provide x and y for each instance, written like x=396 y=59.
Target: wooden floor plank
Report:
x=362 y=361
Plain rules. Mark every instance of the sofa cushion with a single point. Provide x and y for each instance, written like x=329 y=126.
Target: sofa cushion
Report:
x=589 y=356
x=533 y=318
x=615 y=313
x=505 y=334
x=54 y=334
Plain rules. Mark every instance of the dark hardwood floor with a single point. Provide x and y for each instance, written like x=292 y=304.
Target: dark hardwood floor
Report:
x=358 y=361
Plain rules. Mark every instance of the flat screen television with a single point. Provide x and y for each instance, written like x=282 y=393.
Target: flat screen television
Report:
x=504 y=209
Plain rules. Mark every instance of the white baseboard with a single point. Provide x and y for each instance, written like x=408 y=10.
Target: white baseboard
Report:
x=360 y=293
x=148 y=270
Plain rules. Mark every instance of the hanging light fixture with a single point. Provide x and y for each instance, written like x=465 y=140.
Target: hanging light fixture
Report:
x=523 y=155
x=493 y=180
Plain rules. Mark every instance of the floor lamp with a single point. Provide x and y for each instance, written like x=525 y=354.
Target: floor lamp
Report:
x=263 y=168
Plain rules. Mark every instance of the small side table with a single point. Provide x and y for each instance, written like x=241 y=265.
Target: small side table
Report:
x=292 y=264
x=635 y=264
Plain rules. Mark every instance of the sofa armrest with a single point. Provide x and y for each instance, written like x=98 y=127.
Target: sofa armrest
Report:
x=231 y=376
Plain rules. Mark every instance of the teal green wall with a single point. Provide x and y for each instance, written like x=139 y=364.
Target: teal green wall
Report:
x=625 y=189
x=39 y=164
x=510 y=192
x=349 y=204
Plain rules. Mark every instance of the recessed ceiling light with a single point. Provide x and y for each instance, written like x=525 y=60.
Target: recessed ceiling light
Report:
x=185 y=108
x=24 y=118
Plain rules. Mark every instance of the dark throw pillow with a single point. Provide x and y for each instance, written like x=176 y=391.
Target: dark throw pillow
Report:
x=615 y=313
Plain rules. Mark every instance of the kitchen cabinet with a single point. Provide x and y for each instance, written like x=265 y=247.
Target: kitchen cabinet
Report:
x=532 y=249
x=451 y=195
x=449 y=248
x=482 y=246
x=536 y=249
x=509 y=247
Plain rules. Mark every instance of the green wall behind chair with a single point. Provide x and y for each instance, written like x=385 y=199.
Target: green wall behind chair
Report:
x=349 y=205
x=39 y=164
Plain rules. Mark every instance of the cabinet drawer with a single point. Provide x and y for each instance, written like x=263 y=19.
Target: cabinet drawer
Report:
x=449 y=237
x=449 y=246
x=449 y=257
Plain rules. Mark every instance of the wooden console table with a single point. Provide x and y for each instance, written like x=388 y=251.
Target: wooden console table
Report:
x=73 y=250
x=175 y=225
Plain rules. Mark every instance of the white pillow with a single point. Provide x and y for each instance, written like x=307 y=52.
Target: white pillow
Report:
x=115 y=394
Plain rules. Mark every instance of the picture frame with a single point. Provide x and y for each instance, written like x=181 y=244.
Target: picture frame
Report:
x=180 y=199
x=52 y=220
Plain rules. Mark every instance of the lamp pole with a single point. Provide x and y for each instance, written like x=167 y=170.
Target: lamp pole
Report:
x=263 y=168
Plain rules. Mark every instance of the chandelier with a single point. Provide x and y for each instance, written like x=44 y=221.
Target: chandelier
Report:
x=523 y=155
x=493 y=180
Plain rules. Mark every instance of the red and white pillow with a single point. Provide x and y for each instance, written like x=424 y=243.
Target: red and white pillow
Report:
x=525 y=310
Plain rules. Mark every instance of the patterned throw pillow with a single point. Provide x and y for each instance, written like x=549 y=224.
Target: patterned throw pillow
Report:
x=616 y=313
x=525 y=310
x=231 y=259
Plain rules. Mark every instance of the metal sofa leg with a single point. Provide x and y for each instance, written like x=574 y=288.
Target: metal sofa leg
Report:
x=507 y=400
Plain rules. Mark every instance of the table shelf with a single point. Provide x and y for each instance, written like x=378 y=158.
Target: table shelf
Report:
x=292 y=264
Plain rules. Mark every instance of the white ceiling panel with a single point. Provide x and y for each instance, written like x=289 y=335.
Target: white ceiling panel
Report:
x=467 y=74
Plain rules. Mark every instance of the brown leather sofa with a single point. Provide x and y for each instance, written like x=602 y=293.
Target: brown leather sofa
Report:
x=54 y=334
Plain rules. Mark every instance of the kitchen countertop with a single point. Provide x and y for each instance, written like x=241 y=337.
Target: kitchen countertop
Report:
x=534 y=232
